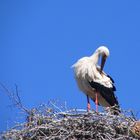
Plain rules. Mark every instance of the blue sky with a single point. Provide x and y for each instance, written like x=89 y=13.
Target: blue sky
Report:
x=40 y=40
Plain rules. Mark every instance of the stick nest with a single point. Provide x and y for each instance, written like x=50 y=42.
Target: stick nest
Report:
x=46 y=123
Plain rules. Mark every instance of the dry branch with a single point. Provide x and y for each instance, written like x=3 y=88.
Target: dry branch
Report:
x=49 y=124
x=14 y=97
x=55 y=122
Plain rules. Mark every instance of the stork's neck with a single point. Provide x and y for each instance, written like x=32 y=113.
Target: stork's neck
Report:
x=95 y=57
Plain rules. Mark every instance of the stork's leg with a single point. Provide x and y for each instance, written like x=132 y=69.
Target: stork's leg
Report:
x=88 y=104
x=96 y=101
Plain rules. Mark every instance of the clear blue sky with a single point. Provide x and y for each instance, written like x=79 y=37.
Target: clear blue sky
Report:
x=40 y=40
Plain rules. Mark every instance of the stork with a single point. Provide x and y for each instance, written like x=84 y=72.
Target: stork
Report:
x=94 y=82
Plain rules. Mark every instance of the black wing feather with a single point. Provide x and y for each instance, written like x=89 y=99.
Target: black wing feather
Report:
x=114 y=88
x=106 y=93
x=110 y=78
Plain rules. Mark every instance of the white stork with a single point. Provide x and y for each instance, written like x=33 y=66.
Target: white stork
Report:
x=94 y=82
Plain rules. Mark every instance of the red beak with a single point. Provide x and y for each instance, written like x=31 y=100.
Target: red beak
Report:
x=103 y=62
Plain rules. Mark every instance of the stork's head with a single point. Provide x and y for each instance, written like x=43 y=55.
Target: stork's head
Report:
x=102 y=50
x=104 y=53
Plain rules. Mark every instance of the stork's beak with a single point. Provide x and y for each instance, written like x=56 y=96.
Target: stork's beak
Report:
x=103 y=62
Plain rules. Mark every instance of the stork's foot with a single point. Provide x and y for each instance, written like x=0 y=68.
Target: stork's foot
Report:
x=96 y=102
x=88 y=107
x=88 y=104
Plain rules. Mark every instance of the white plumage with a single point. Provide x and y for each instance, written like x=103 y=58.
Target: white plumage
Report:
x=92 y=80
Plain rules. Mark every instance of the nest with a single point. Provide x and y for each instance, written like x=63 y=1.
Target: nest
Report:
x=55 y=122
x=46 y=123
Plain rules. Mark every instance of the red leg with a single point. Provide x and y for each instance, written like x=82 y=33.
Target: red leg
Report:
x=96 y=102
x=88 y=104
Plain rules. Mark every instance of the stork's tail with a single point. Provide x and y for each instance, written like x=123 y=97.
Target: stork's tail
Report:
x=109 y=95
x=115 y=110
